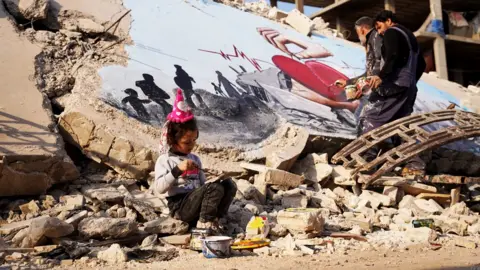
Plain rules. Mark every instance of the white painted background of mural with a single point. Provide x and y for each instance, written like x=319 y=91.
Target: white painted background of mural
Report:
x=168 y=32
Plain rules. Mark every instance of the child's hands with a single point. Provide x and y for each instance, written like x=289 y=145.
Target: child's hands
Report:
x=187 y=165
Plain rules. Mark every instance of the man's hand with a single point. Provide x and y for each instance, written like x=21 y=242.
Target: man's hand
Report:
x=187 y=165
x=310 y=50
x=341 y=83
x=374 y=81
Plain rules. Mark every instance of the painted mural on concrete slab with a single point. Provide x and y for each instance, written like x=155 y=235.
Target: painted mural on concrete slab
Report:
x=239 y=73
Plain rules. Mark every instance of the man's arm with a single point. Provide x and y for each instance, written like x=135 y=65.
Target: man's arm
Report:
x=390 y=42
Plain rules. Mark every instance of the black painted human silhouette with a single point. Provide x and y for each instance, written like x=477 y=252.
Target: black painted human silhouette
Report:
x=154 y=93
x=184 y=81
x=218 y=90
x=227 y=86
x=136 y=103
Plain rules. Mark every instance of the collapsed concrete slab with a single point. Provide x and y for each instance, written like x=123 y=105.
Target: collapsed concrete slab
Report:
x=32 y=155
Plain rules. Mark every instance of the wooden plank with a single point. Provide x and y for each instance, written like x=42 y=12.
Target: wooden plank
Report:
x=414 y=188
x=439 y=198
x=455 y=196
x=299 y=4
x=462 y=39
x=177 y=240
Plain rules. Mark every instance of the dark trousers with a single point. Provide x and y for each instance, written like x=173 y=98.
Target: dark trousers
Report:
x=387 y=104
x=206 y=203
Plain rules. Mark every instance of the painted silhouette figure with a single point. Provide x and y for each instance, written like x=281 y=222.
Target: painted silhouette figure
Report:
x=227 y=86
x=218 y=90
x=184 y=82
x=154 y=93
x=136 y=103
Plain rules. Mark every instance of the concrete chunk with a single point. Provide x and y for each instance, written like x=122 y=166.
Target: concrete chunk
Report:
x=143 y=208
x=415 y=188
x=396 y=194
x=285 y=157
x=107 y=227
x=323 y=201
x=30 y=208
x=374 y=197
x=166 y=225
x=280 y=178
x=102 y=193
x=313 y=168
x=8 y=228
x=342 y=176
x=428 y=207
x=295 y=201
x=250 y=192
x=114 y=254
x=299 y=22
x=301 y=220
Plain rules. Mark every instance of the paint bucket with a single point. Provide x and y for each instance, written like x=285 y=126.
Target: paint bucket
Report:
x=216 y=246
x=196 y=238
x=351 y=92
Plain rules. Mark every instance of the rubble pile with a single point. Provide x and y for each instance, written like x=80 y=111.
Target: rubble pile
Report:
x=311 y=207
x=295 y=18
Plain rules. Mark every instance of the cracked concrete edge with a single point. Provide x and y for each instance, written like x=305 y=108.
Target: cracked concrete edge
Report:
x=126 y=157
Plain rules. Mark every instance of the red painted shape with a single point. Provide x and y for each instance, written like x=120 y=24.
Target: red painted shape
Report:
x=237 y=53
x=191 y=172
x=314 y=75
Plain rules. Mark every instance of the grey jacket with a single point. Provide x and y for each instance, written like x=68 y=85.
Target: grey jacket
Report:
x=165 y=180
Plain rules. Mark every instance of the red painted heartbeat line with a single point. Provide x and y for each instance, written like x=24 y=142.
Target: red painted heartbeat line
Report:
x=237 y=54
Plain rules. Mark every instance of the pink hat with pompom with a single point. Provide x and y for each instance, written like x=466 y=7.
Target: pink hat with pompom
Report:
x=181 y=113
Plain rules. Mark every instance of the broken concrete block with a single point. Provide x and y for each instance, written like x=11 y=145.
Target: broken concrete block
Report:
x=342 y=176
x=114 y=254
x=301 y=220
x=284 y=157
x=103 y=194
x=428 y=207
x=166 y=225
x=250 y=192
x=385 y=221
x=313 y=168
x=306 y=250
x=396 y=194
x=295 y=201
x=280 y=178
x=8 y=228
x=46 y=227
x=374 y=196
x=31 y=10
x=421 y=235
x=89 y=27
x=30 y=208
x=177 y=240
x=107 y=227
x=459 y=242
x=321 y=200
x=364 y=223
x=72 y=202
x=143 y=208
x=299 y=22
x=447 y=225
x=457 y=209
x=276 y=14
x=49 y=202
x=407 y=202
x=278 y=231
x=75 y=219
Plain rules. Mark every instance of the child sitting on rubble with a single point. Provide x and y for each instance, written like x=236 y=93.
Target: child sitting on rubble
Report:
x=179 y=174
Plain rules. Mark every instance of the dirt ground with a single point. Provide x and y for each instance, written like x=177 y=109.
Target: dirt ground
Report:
x=416 y=257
